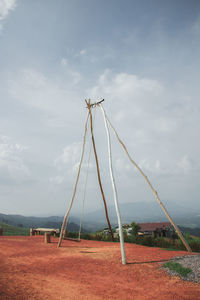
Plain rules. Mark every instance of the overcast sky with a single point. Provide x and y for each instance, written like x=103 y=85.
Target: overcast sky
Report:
x=142 y=57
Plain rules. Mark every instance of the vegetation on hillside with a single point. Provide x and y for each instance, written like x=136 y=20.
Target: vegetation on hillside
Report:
x=13 y=230
x=146 y=240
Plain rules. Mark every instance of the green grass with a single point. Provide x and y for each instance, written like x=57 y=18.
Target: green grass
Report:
x=171 y=249
x=13 y=230
x=174 y=266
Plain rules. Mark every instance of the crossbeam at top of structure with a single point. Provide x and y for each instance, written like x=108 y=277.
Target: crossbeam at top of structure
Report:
x=90 y=105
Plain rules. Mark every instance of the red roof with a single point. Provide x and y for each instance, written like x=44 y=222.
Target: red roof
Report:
x=153 y=226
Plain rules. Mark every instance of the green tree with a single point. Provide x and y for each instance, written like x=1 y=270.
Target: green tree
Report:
x=135 y=229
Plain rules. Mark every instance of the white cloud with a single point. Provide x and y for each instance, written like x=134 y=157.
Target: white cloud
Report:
x=150 y=166
x=76 y=77
x=56 y=180
x=70 y=155
x=196 y=27
x=124 y=86
x=5 y=7
x=64 y=62
x=122 y=166
x=172 y=168
x=147 y=165
x=133 y=101
x=148 y=114
x=185 y=164
x=154 y=167
x=164 y=124
x=12 y=166
x=35 y=89
x=67 y=164
x=83 y=52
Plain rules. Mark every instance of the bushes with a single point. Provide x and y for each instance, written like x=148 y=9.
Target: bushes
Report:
x=101 y=237
x=86 y=236
x=90 y=236
x=164 y=242
x=72 y=235
x=146 y=240
x=195 y=245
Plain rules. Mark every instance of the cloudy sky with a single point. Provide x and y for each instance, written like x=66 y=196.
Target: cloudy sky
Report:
x=142 y=57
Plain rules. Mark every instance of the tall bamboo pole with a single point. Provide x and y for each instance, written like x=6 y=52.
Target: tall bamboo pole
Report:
x=98 y=170
x=84 y=194
x=152 y=189
x=121 y=236
x=75 y=186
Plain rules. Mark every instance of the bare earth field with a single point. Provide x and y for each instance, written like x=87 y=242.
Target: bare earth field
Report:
x=31 y=269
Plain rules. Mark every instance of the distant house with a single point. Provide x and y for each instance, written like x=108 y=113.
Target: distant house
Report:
x=159 y=229
x=129 y=230
x=126 y=226
x=106 y=231
x=126 y=229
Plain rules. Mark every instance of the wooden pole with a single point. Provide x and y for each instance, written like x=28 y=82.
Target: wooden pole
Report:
x=75 y=187
x=154 y=191
x=47 y=237
x=121 y=235
x=97 y=166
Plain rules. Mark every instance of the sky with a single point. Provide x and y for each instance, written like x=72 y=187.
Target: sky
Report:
x=142 y=57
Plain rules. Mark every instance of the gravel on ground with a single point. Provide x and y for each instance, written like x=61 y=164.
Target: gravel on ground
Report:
x=188 y=261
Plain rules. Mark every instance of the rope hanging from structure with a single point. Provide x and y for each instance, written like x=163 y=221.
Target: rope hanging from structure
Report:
x=89 y=106
x=75 y=186
x=85 y=187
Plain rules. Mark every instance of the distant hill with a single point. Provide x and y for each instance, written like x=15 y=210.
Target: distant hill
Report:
x=146 y=212
x=46 y=222
x=191 y=231
x=138 y=212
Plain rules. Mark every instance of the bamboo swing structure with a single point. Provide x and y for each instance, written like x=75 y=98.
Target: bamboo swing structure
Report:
x=107 y=123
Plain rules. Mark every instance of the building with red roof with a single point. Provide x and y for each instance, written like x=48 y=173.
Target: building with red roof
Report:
x=156 y=229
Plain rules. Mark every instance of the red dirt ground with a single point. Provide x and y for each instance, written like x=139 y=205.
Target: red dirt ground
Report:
x=31 y=269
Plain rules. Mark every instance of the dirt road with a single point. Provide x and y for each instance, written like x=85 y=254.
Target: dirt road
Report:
x=31 y=269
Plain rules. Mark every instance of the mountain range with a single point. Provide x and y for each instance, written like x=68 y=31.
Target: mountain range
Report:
x=147 y=212
x=137 y=212
x=33 y=222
